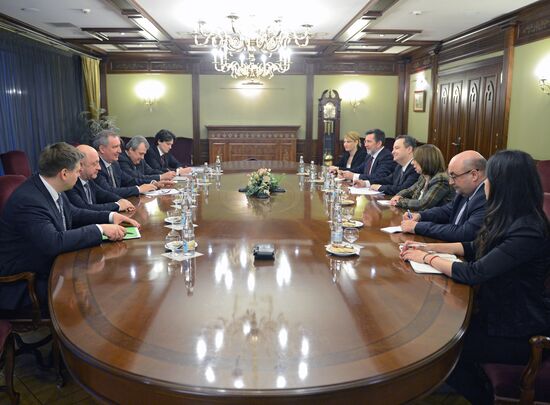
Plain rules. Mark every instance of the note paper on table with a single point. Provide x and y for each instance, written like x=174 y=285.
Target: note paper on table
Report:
x=385 y=203
x=363 y=191
x=392 y=229
x=423 y=268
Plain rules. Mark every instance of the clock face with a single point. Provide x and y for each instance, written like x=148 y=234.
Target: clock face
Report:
x=329 y=110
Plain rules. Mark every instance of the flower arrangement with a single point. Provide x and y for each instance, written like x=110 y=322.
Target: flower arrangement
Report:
x=261 y=183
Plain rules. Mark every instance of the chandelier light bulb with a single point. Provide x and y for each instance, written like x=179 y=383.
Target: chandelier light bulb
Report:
x=245 y=51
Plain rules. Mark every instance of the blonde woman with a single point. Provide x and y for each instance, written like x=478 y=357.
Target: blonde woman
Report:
x=353 y=154
x=432 y=188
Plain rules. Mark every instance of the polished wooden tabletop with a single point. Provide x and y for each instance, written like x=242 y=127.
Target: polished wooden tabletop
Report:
x=136 y=327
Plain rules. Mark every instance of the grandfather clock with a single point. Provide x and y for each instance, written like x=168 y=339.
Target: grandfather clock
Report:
x=328 y=129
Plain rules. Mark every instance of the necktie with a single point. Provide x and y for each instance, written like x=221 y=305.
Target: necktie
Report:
x=61 y=211
x=163 y=161
x=369 y=166
x=400 y=178
x=88 y=193
x=111 y=175
x=462 y=210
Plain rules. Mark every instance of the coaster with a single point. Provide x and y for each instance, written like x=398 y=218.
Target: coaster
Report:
x=180 y=257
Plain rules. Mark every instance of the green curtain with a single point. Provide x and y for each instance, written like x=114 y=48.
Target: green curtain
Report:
x=90 y=70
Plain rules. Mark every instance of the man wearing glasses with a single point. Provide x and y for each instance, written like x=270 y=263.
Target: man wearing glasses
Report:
x=460 y=220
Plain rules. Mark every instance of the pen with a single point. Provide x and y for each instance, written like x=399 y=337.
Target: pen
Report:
x=409 y=215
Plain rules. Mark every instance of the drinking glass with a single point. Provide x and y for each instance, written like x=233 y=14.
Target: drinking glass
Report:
x=351 y=234
x=347 y=213
x=173 y=216
x=173 y=240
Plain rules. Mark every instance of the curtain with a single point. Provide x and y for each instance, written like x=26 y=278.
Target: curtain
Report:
x=41 y=95
x=90 y=71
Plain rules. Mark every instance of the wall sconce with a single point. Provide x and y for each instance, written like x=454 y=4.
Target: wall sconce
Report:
x=421 y=83
x=354 y=93
x=543 y=74
x=150 y=91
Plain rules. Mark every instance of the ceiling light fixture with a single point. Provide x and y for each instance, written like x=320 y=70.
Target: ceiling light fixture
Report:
x=248 y=52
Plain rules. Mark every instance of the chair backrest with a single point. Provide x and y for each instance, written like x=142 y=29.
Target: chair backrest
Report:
x=8 y=184
x=183 y=151
x=546 y=205
x=543 y=167
x=16 y=162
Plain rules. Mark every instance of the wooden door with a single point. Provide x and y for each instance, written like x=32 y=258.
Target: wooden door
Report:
x=466 y=110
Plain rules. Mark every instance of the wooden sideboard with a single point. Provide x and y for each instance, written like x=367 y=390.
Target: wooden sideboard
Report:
x=252 y=142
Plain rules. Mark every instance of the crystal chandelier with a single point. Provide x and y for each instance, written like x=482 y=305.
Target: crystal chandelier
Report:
x=253 y=54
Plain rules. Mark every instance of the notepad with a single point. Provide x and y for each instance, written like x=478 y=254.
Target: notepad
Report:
x=423 y=268
x=131 y=233
x=363 y=191
x=392 y=229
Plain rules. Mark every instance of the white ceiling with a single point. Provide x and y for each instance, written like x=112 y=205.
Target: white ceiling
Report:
x=438 y=19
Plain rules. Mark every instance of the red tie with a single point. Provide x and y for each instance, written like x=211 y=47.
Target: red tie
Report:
x=369 y=166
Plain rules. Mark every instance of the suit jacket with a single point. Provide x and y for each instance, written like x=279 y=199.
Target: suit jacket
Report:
x=382 y=167
x=511 y=276
x=439 y=192
x=102 y=200
x=439 y=222
x=32 y=235
x=395 y=182
x=142 y=172
x=152 y=157
x=125 y=184
x=357 y=160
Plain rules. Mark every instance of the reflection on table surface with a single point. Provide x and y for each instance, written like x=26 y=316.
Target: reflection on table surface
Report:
x=225 y=325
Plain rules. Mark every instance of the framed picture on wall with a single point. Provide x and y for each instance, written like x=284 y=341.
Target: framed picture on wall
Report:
x=419 y=101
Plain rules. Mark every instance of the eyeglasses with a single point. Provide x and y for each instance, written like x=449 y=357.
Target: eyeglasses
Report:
x=453 y=177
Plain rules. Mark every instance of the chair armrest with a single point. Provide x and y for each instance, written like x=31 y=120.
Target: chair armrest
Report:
x=29 y=277
x=530 y=373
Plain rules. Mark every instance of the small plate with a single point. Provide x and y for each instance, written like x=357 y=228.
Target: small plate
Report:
x=335 y=251
x=172 y=220
x=178 y=245
x=347 y=202
x=352 y=224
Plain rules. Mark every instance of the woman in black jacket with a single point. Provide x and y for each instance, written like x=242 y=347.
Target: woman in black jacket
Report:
x=509 y=262
x=353 y=155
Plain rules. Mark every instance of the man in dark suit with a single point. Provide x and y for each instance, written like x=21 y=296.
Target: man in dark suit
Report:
x=404 y=174
x=461 y=219
x=111 y=177
x=159 y=156
x=132 y=162
x=38 y=223
x=379 y=162
x=87 y=194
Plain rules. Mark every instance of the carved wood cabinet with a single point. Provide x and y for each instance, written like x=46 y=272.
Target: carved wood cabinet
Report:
x=252 y=142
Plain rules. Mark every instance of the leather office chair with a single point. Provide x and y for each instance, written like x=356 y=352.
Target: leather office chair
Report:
x=26 y=321
x=543 y=167
x=16 y=162
x=546 y=205
x=8 y=357
x=523 y=384
x=8 y=184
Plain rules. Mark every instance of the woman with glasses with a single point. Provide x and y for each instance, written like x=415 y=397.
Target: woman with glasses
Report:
x=509 y=263
x=353 y=154
x=432 y=188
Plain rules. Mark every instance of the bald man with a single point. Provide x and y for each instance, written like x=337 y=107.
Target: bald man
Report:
x=461 y=219
x=89 y=195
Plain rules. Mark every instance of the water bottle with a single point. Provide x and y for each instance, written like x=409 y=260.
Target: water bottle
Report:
x=301 y=165
x=312 y=173
x=205 y=172
x=188 y=234
x=336 y=227
x=218 y=165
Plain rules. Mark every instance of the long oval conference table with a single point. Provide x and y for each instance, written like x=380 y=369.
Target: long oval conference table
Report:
x=138 y=328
